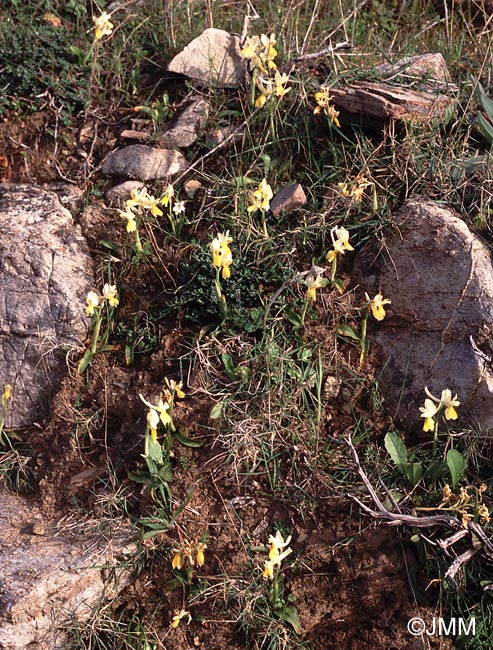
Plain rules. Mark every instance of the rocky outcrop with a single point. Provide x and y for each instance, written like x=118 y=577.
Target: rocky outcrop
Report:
x=439 y=328
x=213 y=58
x=45 y=273
x=53 y=575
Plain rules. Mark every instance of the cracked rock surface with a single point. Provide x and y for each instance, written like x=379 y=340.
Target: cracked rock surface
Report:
x=53 y=574
x=45 y=273
x=439 y=328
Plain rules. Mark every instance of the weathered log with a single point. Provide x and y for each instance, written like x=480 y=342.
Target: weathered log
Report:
x=369 y=101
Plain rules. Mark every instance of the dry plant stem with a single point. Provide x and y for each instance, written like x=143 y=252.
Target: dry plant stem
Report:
x=480 y=544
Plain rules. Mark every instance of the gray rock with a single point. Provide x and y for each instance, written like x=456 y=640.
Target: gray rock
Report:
x=289 y=198
x=144 y=163
x=213 y=58
x=187 y=126
x=45 y=273
x=430 y=67
x=438 y=276
x=122 y=191
x=50 y=577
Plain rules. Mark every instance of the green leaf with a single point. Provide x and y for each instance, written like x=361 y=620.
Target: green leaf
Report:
x=456 y=465
x=294 y=318
x=84 y=362
x=141 y=476
x=412 y=471
x=217 y=410
x=290 y=615
x=486 y=128
x=109 y=245
x=485 y=101
x=396 y=449
x=347 y=330
x=229 y=366
x=155 y=451
x=339 y=285
x=186 y=441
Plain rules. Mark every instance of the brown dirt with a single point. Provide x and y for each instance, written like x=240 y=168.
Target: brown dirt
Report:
x=350 y=580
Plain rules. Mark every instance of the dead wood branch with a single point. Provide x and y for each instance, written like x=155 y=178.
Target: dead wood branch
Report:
x=472 y=534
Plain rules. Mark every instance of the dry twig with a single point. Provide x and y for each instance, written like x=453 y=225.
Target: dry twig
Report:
x=472 y=534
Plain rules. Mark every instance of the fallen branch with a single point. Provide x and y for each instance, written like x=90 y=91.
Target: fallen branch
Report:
x=472 y=533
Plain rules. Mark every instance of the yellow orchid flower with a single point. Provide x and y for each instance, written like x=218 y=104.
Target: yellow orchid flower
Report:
x=176 y=387
x=177 y=561
x=168 y=194
x=102 y=25
x=92 y=301
x=250 y=50
x=157 y=413
x=179 y=616
x=280 y=81
x=110 y=293
x=277 y=543
x=130 y=217
x=153 y=420
x=322 y=97
x=269 y=53
x=377 y=305
x=447 y=401
x=276 y=553
x=261 y=197
x=314 y=281
x=428 y=412
x=340 y=242
x=200 y=548
x=222 y=258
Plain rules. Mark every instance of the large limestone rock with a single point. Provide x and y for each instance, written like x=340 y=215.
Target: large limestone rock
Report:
x=45 y=273
x=439 y=327
x=213 y=58
x=53 y=575
x=144 y=163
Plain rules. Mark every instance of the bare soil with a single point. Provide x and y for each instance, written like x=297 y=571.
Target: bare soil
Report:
x=351 y=583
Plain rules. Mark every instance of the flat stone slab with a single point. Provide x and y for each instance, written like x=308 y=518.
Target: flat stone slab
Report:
x=439 y=328
x=53 y=574
x=187 y=125
x=213 y=58
x=45 y=273
x=144 y=163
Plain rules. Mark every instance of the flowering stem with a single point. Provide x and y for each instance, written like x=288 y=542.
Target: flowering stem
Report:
x=435 y=438
x=171 y=220
x=138 y=243
x=220 y=296
x=97 y=329
x=253 y=86
x=264 y=224
x=363 y=341
x=303 y=313
x=333 y=270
